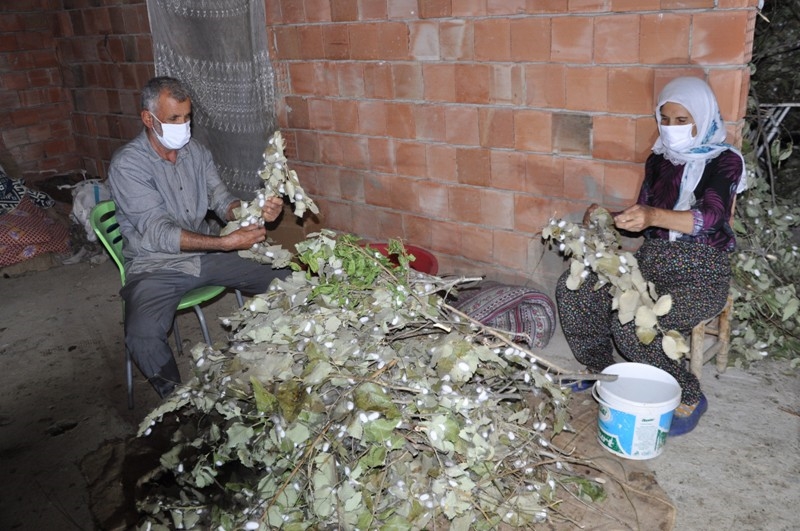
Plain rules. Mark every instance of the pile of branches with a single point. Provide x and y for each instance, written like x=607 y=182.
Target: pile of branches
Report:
x=353 y=396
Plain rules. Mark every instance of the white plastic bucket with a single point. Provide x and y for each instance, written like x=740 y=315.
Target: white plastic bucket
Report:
x=636 y=409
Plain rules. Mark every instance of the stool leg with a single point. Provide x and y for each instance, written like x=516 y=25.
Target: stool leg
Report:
x=696 y=349
x=724 y=335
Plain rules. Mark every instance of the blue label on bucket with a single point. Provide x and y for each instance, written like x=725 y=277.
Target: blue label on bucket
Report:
x=632 y=436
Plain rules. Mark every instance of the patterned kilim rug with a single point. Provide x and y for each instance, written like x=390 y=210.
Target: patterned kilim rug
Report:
x=527 y=313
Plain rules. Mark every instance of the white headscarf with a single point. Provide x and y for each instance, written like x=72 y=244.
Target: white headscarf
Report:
x=696 y=97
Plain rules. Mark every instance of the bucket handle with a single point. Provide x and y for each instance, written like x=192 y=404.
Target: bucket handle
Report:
x=597 y=396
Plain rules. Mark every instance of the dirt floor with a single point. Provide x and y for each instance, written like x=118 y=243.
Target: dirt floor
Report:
x=64 y=418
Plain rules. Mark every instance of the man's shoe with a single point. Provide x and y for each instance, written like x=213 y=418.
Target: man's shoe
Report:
x=684 y=422
x=163 y=386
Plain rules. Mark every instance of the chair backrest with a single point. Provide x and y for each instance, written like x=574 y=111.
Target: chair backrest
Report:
x=104 y=223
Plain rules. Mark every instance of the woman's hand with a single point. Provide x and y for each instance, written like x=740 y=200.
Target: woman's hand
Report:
x=588 y=214
x=639 y=217
x=272 y=208
x=635 y=218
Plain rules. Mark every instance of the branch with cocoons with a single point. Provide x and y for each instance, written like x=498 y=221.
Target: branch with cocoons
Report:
x=596 y=248
x=279 y=181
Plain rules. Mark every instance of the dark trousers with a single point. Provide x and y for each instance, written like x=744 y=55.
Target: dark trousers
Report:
x=696 y=275
x=152 y=298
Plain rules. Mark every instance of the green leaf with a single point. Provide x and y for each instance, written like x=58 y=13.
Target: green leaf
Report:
x=265 y=401
x=645 y=318
x=646 y=335
x=323 y=480
x=291 y=398
x=332 y=324
x=239 y=435
x=316 y=372
x=790 y=309
x=628 y=303
x=592 y=490
x=170 y=459
x=575 y=278
x=365 y=520
x=353 y=503
x=663 y=305
x=375 y=457
x=674 y=345
x=396 y=523
x=298 y=433
x=372 y=397
x=670 y=347
x=379 y=430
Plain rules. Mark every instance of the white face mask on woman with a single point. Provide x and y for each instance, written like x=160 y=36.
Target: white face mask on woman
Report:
x=676 y=137
x=173 y=136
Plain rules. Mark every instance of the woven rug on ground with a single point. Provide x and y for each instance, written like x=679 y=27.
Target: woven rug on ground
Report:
x=527 y=313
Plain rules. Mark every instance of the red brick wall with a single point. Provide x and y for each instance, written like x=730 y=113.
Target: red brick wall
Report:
x=106 y=57
x=70 y=75
x=462 y=126
x=35 y=130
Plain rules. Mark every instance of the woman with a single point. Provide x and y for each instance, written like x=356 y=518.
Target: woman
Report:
x=683 y=212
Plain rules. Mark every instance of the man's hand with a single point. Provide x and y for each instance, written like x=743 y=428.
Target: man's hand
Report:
x=273 y=206
x=243 y=238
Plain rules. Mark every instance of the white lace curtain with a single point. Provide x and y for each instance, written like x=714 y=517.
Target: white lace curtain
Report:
x=219 y=49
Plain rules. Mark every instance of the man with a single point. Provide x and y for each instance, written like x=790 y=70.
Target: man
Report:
x=164 y=183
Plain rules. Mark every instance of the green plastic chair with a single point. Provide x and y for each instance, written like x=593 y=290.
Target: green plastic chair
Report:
x=104 y=223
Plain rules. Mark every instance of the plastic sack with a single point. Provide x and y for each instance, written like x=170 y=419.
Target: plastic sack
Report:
x=85 y=195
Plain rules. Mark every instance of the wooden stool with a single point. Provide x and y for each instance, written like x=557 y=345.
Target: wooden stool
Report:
x=718 y=326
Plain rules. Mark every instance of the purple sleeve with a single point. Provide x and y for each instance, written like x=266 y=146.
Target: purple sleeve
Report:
x=716 y=192
x=713 y=197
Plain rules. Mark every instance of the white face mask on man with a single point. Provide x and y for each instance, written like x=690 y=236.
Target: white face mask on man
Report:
x=676 y=137
x=173 y=136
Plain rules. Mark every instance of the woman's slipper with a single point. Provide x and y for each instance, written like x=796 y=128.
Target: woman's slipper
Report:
x=578 y=386
x=685 y=417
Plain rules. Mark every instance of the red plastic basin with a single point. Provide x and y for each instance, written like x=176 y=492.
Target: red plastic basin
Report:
x=424 y=261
